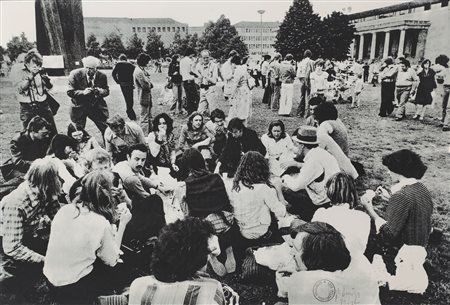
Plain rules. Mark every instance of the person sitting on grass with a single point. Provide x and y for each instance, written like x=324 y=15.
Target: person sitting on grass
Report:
x=217 y=127
x=180 y=256
x=278 y=144
x=85 y=142
x=161 y=142
x=312 y=105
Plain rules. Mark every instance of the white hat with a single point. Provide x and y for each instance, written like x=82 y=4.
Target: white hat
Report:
x=91 y=62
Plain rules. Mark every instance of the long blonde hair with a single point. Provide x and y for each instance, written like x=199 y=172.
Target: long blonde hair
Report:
x=43 y=175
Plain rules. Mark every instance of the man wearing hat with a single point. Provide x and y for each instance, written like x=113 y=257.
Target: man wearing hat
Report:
x=87 y=88
x=306 y=191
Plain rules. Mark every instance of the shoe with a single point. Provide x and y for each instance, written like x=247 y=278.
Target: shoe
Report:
x=230 y=263
x=421 y=118
x=415 y=116
x=398 y=118
x=217 y=266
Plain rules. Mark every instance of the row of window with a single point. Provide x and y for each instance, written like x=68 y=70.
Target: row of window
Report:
x=426 y=7
x=266 y=30
x=157 y=29
x=258 y=38
x=258 y=46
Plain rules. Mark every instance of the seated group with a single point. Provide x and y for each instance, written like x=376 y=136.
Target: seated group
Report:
x=78 y=206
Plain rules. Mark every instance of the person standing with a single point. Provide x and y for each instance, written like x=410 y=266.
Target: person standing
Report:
x=88 y=87
x=427 y=84
x=265 y=79
x=227 y=74
x=208 y=74
x=176 y=80
x=287 y=76
x=388 y=74
x=444 y=74
x=275 y=83
x=305 y=67
x=144 y=90
x=33 y=85
x=405 y=87
x=188 y=76
x=241 y=98
x=123 y=75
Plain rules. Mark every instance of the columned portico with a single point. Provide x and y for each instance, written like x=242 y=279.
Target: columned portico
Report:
x=401 y=44
x=373 y=45
x=361 y=46
x=386 y=44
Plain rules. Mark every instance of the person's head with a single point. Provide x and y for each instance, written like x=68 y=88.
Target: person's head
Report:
x=252 y=169
x=33 y=61
x=62 y=146
x=289 y=57
x=195 y=121
x=193 y=162
x=91 y=63
x=236 y=60
x=205 y=56
x=319 y=246
x=97 y=159
x=218 y=117
x=341 y=188
x=236 y=127
x=136 y=156
x=232 y=53
x=442 y=60
x=175 y=58
x=319 y=64
x=123 y=57
x=276 y=130
x=181 y=250
x=190 y=52
x=117 y=124
x=38 y=128
x=404 y=64
x=142 y=60
x=95 y=193
x=426 y=64
x=267 y=57
x=77 y=133
x=389 y=61
x=163 y=122
x=325 y=111
x=43 y=175
x=305 y=138
x=307 y=54
x=276 y=57
x=313 y=103
x=405 y=163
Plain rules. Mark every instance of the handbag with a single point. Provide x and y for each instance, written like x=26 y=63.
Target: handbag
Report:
x=53 y=104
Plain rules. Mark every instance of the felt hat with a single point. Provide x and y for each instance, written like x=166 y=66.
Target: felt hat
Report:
x=306 y=135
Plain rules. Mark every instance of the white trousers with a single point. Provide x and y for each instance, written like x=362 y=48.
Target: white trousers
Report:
x=286 y=96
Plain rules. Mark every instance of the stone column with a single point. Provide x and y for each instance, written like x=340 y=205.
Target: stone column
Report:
x=361 y=46
x=421 y=43
x=373 y=45
x=386 y=44
x=401 y=43
x=352 y=48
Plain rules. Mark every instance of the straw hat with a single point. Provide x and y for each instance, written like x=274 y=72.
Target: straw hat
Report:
x=306 y=135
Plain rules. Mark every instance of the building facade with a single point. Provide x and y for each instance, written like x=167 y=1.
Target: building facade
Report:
x=126 y=27
x=417 y=29
x=259 y=37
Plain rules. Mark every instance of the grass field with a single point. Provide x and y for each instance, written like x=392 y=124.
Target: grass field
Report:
x=370 y=138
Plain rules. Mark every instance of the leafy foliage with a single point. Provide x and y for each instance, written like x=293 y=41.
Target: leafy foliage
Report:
x=93 y=46
x=18 y=45
x=339 y=34
x=155 y=47
x=221 y=37
x=180 y=44
x=113 y=45
x=135 y=46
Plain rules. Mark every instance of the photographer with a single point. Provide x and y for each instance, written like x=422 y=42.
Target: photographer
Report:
x=88 y=87
x=33 y=89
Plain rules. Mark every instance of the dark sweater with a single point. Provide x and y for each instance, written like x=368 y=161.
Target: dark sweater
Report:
x=123 y=73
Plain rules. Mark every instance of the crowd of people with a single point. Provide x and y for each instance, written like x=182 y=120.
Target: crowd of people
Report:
x=92 y=220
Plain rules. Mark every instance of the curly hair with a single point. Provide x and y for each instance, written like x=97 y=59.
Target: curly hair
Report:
x=325 y=111
x=181 y=250
x=166 y=118
x=442 y=60
x=341 y=188
x=58 y=145
x=406 y=163
x=252 y=169
x=191 y=119
x=276 y=123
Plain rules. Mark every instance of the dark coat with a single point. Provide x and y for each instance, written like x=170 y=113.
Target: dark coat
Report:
x=78 y=82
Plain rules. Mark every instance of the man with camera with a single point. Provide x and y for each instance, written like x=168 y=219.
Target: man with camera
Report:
x=88 y=87
x=208 y=74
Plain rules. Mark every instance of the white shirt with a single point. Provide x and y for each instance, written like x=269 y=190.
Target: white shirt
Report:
x=77 y=238
x=186 y=65
x=277 y=148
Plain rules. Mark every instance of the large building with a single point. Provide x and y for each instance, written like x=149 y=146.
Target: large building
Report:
x=126 y=27
x=259 y=37
x=417 y=29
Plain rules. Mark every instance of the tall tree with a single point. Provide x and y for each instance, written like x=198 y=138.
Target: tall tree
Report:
x=220 y=38
x=155 y=46
x=300 y=30
x=135 y=46
x=113 y=45
x=180 y=45
x=339 y=34
x=93 y=46
x=17 y=45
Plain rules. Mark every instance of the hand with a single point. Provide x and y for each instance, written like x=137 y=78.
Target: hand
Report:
x=87 y=91
x=164 y=189
x=286 y=164
x=366 y=201
x=175 y=167
x=383 y=193
x=125 y=216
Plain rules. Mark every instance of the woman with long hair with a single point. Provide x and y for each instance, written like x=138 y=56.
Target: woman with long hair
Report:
x=85 y=142
x=176 y=80
x=161 y=142
x=83 y=242
x=425 y=90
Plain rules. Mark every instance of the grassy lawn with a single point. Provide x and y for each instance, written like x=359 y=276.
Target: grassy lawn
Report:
x=370 y=138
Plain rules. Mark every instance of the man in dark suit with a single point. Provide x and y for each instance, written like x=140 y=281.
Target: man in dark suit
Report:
x=87 y=88
x=123 y=75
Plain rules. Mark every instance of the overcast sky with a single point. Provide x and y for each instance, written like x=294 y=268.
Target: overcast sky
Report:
x=18 y=15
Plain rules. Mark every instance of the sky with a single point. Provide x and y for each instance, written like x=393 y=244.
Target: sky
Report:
x=17 y=16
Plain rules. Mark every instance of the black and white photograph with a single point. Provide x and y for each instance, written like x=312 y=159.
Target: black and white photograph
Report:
x=224 y=152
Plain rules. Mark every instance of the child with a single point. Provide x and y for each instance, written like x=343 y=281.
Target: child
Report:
x=357 y=91
x=319 y=80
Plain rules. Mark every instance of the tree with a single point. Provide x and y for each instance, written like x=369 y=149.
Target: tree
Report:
x=135 y=46
x=2 y=52
x=220 y=38
x=93 y=46
x=300 y=30
x=180 y=45
x=154 y=47
x=339 y=34
x=113 y=45
x=18 y=45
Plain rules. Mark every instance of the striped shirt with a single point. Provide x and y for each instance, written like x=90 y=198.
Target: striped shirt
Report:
x=148 y=290
x=408 y=215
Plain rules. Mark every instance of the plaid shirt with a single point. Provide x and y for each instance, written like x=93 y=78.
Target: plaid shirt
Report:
x=22 y=214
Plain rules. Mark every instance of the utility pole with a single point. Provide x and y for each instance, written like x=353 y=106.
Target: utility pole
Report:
x=261 y=12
